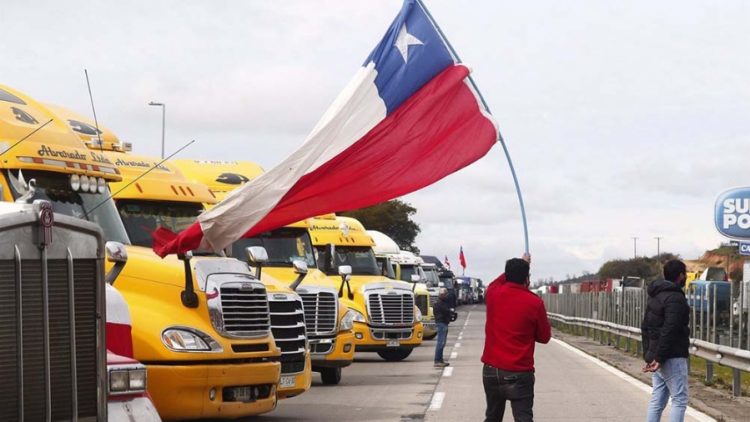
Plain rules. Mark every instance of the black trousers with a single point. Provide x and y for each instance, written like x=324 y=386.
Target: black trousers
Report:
x=501 y=386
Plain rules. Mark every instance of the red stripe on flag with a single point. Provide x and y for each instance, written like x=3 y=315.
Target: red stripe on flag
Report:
x=436 y=132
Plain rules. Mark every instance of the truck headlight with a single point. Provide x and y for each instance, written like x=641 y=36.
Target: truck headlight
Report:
x=347 y=322
x=184 y=339
x=127 y=380
x=357 y=316
x=417 y=314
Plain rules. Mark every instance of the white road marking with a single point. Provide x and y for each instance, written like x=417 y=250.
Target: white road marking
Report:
x=457 y=346
x=702 y=417
x=437 y=400
x=454 y=355
x=461 y=337
x=448 y=371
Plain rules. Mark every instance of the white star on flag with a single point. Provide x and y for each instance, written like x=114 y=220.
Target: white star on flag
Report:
x=404 y=40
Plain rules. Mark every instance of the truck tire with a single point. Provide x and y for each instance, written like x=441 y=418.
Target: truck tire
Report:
x=395 y=355
x=330 y=376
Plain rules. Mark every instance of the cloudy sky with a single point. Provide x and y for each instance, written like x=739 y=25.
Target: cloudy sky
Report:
x=623 y=118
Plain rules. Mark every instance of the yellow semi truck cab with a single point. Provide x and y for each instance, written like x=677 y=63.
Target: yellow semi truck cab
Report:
x=329 y=330
x=407 y=267
x=200 y=324
x=387 y=321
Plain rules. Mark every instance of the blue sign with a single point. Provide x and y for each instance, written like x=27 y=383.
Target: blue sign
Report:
x=732 y=213
x=744 y=248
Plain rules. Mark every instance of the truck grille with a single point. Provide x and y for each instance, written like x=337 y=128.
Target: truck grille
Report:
x=245 y=311
x=392 y=308
x=288 y=328
x=422 y=303
x=31 y=362
x=433 y=300
x=320 y=312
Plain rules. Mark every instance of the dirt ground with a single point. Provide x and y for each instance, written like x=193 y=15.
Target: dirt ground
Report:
x=715 y=402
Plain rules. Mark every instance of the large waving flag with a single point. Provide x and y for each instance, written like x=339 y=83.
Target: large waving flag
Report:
x=408 y=118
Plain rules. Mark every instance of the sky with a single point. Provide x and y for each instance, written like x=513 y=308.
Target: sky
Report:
x=623 y=119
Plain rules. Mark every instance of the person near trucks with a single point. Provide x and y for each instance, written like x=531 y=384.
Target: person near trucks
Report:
x=516 y=320
x=443 y=315
x=666 y=339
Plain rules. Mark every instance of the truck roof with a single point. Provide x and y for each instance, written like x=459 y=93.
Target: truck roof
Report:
x=160 y=182
x=221 y=177
x=341 y=231
x=51 y=147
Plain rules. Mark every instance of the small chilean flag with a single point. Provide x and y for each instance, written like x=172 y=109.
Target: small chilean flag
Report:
x=408 y=118
x=462 y=258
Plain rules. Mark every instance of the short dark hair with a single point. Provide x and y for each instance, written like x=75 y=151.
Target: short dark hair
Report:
x=673 y=268
x=516 y=270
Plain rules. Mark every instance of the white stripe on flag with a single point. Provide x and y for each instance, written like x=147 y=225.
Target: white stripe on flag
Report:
x=354 y=113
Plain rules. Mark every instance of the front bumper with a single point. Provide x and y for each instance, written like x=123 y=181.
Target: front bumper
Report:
x=373 y=339
x=430 y=329
x=341 y=352
x=139 y=408
x=182 y=391
x=302 y=381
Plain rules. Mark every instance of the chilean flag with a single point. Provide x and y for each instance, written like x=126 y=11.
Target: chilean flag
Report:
x=462 y=258
x=408 y=118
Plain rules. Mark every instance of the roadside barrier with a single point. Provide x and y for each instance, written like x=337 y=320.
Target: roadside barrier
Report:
x=720 y=334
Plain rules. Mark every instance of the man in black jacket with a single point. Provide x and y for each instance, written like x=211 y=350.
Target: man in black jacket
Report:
x=443 y=312
x=666 y=339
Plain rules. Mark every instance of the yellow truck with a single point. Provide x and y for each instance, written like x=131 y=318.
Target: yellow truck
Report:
x=329 y=322
x=387 y=320
x=406 y=267
x=200 y=324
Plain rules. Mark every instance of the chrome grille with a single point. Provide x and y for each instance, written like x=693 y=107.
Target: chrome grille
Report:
x=392 y=308
x=320 y=312
x=31 y=366
x=245 y=311
x=288 y=328
x=422 y=303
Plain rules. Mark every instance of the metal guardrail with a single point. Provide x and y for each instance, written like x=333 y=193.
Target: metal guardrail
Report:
x=619 y=314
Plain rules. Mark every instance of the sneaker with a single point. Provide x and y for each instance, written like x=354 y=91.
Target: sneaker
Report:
x=441 y=364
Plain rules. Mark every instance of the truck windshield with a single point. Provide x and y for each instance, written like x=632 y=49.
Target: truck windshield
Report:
x=432 y=277
x=361 y=259
x=407 y=270
x=55 y=188
x=141 y=218
x=283 y=246
x=386 y=268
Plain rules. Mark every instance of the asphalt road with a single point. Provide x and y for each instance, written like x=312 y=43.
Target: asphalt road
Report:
x=570 y=386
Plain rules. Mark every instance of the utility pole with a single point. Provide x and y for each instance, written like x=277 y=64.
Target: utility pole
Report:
x=658 y=246
x=163 y=122
x=635 y=242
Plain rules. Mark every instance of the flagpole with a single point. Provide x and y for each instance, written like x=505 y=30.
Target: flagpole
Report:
x=499 y=135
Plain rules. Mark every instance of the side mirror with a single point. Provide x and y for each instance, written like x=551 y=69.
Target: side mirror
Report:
x=116 y=253
x=256 y=255
x=345 y=270
x=415 y=278
x=300 y=267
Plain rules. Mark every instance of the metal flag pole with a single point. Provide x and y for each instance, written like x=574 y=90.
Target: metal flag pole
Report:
x=499 y=136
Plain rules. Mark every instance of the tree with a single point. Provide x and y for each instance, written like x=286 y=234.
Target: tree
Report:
x=392 y=218
x=647 y=268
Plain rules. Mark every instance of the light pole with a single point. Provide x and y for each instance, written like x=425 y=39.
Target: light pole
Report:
x=658 y=246
x=635 y=241
x=163 y=122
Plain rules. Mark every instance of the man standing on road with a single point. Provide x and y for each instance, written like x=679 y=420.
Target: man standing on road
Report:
x=666 y=339
x=443 y=312
x=516 y=319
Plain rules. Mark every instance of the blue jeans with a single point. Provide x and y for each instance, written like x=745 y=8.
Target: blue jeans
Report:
x=442 y=337
x=671 y=380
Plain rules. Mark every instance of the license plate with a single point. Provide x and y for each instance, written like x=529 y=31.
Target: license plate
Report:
x=393 y=343
x=287 y=382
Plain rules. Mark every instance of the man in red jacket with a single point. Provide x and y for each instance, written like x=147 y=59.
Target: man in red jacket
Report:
x=516 y=319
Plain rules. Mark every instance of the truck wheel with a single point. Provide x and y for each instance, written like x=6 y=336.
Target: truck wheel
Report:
x=330 y=376
x=395 y=355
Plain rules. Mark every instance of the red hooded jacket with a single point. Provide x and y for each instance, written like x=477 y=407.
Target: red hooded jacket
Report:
x=516 y=320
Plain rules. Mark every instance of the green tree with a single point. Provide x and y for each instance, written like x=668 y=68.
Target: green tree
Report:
x=647 y=268
x=392 y=218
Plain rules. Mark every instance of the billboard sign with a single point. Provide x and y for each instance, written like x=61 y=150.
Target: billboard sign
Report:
x=732 y=213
